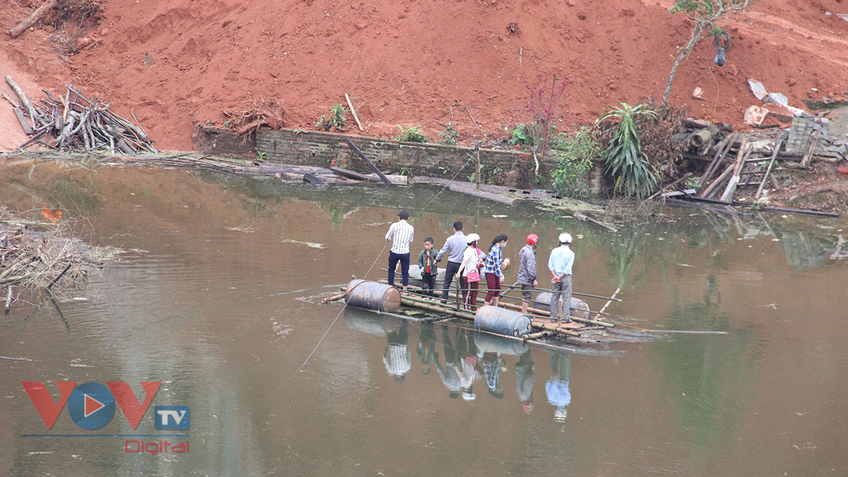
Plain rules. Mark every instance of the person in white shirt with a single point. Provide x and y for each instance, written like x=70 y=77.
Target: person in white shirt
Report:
x=403 y=234
x=472 y=259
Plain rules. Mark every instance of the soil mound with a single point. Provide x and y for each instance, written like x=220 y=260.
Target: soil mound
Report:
x=421 y=62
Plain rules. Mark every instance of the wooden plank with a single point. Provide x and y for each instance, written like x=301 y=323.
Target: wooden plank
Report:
x=367 y=161
x=721 y=151
x=353 y=111
x=716 y=183
x=19 y=113
x=811 y=149
x=730 y=190
x=768 y=169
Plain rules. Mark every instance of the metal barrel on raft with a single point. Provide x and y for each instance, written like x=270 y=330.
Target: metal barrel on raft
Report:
x=370 y=295
x=502 y=321
x=579 y=308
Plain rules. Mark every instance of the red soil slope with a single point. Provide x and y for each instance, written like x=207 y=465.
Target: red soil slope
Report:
x=422 y=62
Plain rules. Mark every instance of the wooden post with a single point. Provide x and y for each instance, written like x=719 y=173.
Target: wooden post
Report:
x=353 y=111
x=768 y=169
x=477 y=174
x=811 y=149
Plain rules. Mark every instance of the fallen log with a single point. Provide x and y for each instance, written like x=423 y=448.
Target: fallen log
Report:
x=484 y=195
x=354 y=175
x=34 y=17
x=24 y=101
x=584 y=218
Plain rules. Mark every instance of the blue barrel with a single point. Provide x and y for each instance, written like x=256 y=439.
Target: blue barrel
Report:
x=501 y=321
x=579 y=308
x=372 y=296
x=495 y=344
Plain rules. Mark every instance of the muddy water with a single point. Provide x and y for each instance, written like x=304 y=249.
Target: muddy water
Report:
x=217 y=298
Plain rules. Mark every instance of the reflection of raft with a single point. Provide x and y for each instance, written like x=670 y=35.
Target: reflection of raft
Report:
x=506 y=321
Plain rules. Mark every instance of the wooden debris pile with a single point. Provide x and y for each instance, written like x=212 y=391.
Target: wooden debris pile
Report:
x=45 y=258
x=263 y=112
x=77 y=124
x=702 y=138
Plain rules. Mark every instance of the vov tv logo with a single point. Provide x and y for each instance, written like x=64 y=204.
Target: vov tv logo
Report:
x=92 y=405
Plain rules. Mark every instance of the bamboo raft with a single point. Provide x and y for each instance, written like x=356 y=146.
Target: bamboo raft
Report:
x=586 y=326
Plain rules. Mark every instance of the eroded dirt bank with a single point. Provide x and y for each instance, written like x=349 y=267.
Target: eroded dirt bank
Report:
x=418 y=62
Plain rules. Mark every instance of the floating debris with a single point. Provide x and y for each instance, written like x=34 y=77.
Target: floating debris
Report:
x=308 y=244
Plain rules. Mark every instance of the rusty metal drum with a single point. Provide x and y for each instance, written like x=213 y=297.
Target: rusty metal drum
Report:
x=501 y=321
x=579 y=308
x=372 y=296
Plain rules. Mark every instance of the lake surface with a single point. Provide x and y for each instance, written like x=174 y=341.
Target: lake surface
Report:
x=218 y=297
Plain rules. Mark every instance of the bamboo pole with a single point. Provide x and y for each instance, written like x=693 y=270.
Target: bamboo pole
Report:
x=601 y=312
x=430 y=307
x=333 y=298
x=533 y=336
x=353 y=111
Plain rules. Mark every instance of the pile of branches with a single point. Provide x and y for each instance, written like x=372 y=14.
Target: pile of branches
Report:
x=47 y=259
x=78 y=124
x=263 y=112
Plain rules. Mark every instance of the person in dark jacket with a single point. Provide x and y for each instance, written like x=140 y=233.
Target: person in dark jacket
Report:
x=527 y=271
x=427 y=264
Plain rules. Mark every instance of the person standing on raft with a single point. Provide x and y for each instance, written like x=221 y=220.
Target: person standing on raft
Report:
x=527 y=271
x=494 y=269
x=455 y=245
x=403 y=234
x=560 y=264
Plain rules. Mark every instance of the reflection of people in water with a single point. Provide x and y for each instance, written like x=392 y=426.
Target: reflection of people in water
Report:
x=397 y=357
x=524 y=381
x=426 y=346
x=557 y=386
x=492 y=371
x=460 y=369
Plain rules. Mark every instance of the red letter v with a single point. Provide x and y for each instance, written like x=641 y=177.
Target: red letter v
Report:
x=47 y=409
x=125 y=397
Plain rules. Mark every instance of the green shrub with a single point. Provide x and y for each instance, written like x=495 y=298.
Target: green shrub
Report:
x=449 y=136
x=575 y=154
x=521 y=135
x=411 y=135
x=626 y=162
x=337 y=118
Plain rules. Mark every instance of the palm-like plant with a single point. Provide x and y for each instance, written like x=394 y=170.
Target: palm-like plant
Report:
x=625 y=160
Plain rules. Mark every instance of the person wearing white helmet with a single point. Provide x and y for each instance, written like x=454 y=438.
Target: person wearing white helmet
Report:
x=560 y=265
x=469 y=271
